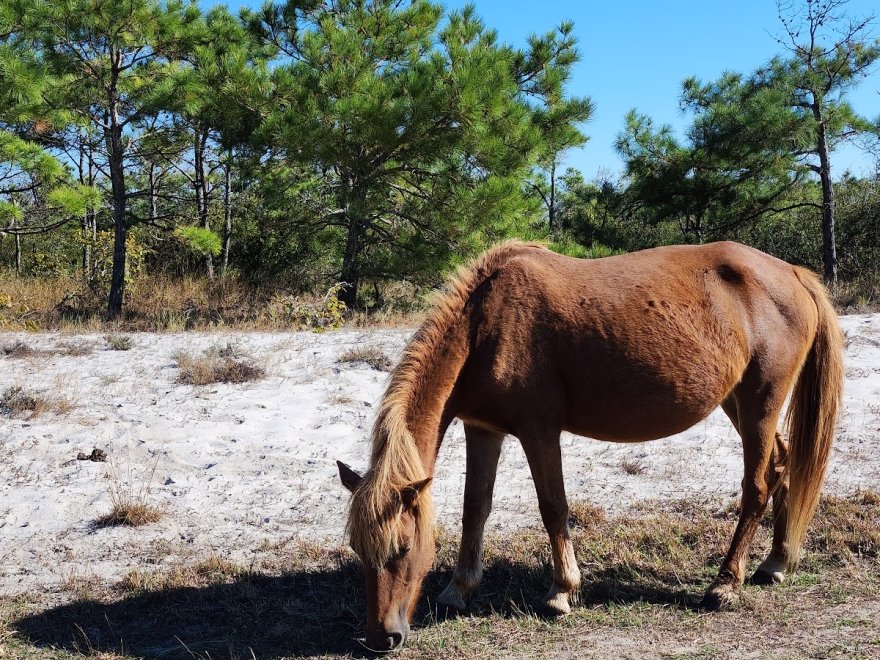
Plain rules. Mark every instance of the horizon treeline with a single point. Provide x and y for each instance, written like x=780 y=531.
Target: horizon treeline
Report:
x=359 y=143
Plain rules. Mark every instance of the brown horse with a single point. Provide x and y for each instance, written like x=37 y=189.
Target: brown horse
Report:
x=628 y=348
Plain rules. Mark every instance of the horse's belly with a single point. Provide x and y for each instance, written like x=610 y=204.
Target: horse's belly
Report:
x=635 y=425
x=633 y=407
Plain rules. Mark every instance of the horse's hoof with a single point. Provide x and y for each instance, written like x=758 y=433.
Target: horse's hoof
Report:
x=763 y=578
x=771 y=571
x=558 y=603
x=719 y=598
x=452 y=599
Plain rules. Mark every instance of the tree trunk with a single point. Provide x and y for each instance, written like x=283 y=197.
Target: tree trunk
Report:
x=356 y=213
x=151 y=191
x=83 y=179
x=227 y=213
x=18 y=254
x=350 y=272
x=120 y=228
x=551 y=210
x=116 y=160
x=829 y=246
x=87 y=248
x=201 y=186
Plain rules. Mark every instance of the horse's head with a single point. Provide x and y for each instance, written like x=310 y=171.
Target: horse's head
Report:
x=391 y=533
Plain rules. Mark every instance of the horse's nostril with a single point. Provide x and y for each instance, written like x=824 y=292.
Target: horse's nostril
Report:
x=394 y=640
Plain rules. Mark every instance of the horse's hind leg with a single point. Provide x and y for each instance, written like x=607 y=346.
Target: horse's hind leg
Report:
x=483 y=449
x=756 y=410
x=545 y=460
x=772 y=569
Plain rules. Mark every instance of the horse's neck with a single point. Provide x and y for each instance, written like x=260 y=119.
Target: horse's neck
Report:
x=427 y=425
x=427 y=412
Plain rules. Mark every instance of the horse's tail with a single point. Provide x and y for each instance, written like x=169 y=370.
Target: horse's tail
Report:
x=811 y=418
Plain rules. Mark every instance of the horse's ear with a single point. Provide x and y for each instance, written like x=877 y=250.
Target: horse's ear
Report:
x=409 y=495
x=350 y=478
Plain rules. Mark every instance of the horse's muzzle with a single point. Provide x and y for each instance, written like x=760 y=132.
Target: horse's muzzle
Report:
x=392 y=637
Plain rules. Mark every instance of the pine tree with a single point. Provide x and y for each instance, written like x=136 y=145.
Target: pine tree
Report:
x=417 y=127
x=829 y=53
x=106 y=59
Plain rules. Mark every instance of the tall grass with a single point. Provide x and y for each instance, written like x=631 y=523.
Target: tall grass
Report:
x=160 y=303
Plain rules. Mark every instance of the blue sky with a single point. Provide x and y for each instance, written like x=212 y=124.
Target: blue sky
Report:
x=634 y=54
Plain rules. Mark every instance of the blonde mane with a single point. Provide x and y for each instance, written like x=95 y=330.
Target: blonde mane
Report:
x=374 y=521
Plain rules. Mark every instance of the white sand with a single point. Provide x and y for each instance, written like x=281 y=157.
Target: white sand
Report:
x=240 y=469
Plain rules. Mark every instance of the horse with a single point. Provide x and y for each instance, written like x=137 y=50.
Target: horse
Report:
x=627 y=348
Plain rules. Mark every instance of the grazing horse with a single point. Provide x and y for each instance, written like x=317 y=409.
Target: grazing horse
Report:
x=624 y=349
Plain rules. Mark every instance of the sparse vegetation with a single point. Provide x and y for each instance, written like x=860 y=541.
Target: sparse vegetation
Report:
x=217 y=365
x=76 y=349
x=130 y=498
x=119 y=342
x=18 y=349
x=131 y=514
x=370 y=355
x=632 y=466
x=643 y=577
x=17 y=401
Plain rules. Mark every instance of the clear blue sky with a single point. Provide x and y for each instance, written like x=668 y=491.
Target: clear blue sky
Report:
x=635 y=53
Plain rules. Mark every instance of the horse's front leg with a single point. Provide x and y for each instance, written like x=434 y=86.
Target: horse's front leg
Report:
x=483 y=450
x=545 y=460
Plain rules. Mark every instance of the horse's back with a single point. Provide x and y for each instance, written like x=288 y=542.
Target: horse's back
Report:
x=604 y=345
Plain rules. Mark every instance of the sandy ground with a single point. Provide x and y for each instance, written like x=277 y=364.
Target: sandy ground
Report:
x=239 y=468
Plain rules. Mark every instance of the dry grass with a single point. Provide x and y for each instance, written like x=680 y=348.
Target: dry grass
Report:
x=369 y=355
x=130 y=514
x=17 y=401
x=19 y=349
x=130 y=503
x=632 y=466
x=857 y=297
x=217 y=365
x=119 y=342
x=157 y=303
x=75 y=349
x=643 y=577
x=22 y=350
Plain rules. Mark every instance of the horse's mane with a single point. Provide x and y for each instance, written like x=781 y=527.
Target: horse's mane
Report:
x=374 y=522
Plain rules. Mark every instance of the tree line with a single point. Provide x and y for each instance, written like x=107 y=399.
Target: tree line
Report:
x=367 y=141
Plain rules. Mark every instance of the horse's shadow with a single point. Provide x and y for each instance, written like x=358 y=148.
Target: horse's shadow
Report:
x=303 y=613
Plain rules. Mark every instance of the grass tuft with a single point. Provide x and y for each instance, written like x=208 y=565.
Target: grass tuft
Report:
x=130 y=499
x=18 y=349
x=217 y=365
x=76 y=349
x=632 y=467
x=17 y=401
x=370 y=355
x=119 y=342
x=130 y=514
